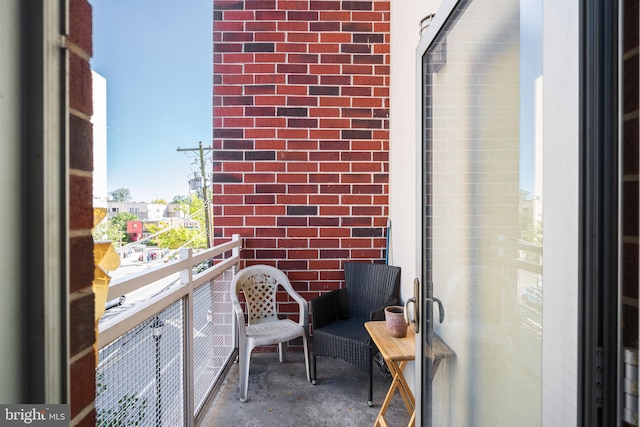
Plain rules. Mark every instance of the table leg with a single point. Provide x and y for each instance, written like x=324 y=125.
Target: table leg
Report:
x=400 y=383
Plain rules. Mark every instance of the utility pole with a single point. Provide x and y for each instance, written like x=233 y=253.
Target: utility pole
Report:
x=205 y=195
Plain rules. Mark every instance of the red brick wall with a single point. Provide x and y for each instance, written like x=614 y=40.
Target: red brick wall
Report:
x=82 y=363
x=300 y=114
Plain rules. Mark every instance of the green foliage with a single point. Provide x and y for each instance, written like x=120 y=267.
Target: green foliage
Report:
x=159 y=202
x=181 y=199
x=114 y=229
x=178 y=236
x=120 y=195
x=182 y=236
x=130 y=409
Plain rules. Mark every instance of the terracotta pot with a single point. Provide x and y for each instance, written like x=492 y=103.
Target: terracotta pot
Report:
x=396 y=324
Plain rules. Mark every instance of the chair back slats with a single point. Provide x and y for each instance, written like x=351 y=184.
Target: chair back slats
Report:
x=370 y=286
x=260 y=297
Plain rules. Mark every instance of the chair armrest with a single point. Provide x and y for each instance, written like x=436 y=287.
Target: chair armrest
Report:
x=378 y=313
x=303 y=309
x=327 y=308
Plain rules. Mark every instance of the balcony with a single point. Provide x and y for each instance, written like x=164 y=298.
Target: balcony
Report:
x=168 y=359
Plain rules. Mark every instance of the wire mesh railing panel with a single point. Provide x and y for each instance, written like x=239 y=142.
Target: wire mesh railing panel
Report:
x=140 y=377
x=212 y=335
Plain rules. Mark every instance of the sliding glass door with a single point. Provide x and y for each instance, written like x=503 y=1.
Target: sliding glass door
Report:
x=482 y=198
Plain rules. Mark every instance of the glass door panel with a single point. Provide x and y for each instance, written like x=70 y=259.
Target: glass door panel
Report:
x=482 y=211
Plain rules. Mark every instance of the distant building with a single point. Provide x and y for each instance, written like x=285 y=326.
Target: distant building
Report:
x=134 y=230
x=99 y=121
x=145 y=211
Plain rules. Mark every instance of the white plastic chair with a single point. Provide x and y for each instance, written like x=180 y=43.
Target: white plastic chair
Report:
x=259 y=284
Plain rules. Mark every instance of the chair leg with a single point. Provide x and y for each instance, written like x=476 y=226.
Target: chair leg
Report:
x=306 y=356
x=244 y=359
x=313 y=369
x=370 y=401
x=282 y=352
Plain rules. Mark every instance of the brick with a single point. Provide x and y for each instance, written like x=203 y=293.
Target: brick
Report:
x=82 y=390
x=334 y=253
x=228 y=5
x=236 y=15
x=302 y=210
x=288 y=199
x=81 y=324
x=80 y=144
x=264 y=29
x=302 y=232
x=302 y=79
x=357 y=5
x=291 y=221
x=233 y=36
x=271 y=254
x=269 y=57
x=357 y=27
x=291 y=68
x=336 y=59
x=302 y=58
x=80 y=85
x=292 y=47
x=324 y=26
x=356 y=134
x=302 y=123
x=270 y=232
x=324 y=178
x=82 y=264
x=294 y=112
x=292 y=90
x=325 y=5
x=81 y=203
x=335 y=232
x=302 y=16
x=262 y=199
x=303 y=254
x=271 y=188
x=81 y=25
x=368 y=38
x=259 y=47
x=260 y=4
x=302 y=37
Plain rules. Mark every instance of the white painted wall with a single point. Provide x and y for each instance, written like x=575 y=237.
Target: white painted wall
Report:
x=99 y=120
x=403 y=144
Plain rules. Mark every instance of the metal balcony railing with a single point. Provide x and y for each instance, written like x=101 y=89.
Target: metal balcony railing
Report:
x=160 y=359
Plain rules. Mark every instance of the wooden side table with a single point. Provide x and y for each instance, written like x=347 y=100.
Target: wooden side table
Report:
x=396 y=353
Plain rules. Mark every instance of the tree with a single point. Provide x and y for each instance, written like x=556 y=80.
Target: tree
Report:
x=181 y=199
x=114 y=229
x=159 y=202
x=178 y=236
x=120 y=195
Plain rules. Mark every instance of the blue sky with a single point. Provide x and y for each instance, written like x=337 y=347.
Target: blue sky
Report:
x=156 y=56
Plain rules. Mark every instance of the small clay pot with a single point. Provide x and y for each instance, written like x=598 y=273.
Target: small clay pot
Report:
x=396 y=323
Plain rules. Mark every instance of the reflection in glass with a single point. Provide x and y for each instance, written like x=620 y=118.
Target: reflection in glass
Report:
x=483 y=210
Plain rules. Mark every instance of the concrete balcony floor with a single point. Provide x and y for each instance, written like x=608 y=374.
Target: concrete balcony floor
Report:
x=280 y=395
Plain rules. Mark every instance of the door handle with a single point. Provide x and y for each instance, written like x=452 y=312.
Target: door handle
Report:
x=416 y=307
x=440 y=307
